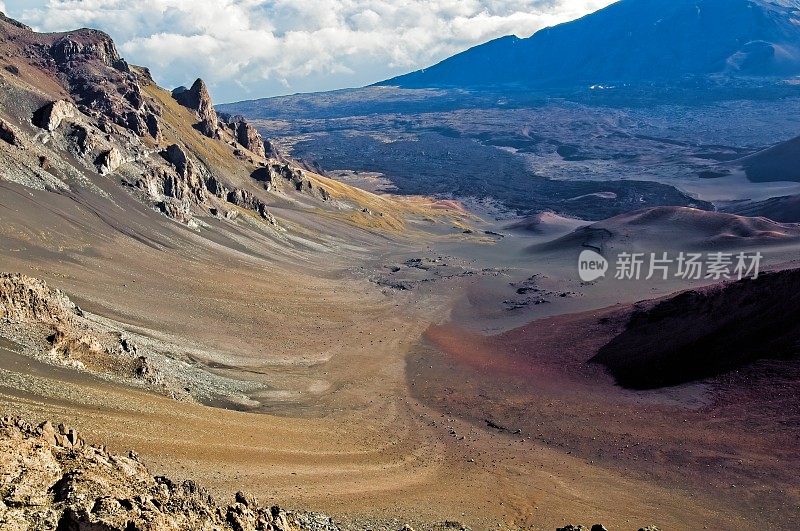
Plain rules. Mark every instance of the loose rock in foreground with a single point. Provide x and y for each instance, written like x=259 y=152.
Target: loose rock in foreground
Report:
x=51 y=479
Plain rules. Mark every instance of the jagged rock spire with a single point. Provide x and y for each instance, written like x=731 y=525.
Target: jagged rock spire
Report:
x=198 y=99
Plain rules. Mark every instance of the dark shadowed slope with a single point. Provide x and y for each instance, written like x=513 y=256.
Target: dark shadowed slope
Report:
x=785 y=209
x=777 y=163
x=707 y=332
x=634 y=41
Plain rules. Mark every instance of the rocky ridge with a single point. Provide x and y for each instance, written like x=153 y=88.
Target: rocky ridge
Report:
x=51 y=479
x=234 y=130
x=73 y=109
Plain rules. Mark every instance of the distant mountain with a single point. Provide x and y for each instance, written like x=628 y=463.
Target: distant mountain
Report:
x=634 y=41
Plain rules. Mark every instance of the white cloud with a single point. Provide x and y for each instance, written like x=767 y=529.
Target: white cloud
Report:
x=254 y=48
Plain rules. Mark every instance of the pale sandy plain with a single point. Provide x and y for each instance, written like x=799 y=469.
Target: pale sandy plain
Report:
x=336 y=421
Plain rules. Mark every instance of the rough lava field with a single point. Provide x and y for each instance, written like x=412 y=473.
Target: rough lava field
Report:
x=510 y=146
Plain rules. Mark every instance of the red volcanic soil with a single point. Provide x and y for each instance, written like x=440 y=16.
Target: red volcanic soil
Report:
x=730 y=441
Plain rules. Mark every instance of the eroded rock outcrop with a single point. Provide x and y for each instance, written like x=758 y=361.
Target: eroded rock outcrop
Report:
x=187 y=184
x=103 y=117
x=69 y=346
x=276 y=175
x=271 y=151
x=244 y=199
x=47 y=319
x=51 y=479
x=595 y=527
x=177 y=209
x=102 y=83
x=198 y=99
x=87 y=45
x=23 y=298
x=175 y=155
x=247 y=135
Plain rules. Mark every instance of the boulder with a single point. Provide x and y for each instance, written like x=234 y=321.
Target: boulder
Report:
x=109 y=161
x=8 y=135
x=53 y=114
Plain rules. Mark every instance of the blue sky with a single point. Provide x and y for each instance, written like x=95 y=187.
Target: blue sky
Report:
x=247 y=49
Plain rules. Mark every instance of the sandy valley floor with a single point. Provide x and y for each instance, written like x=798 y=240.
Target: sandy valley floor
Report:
x=364 y=407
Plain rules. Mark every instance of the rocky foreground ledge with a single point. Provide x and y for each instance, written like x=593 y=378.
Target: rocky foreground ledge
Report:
x=51 y=479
